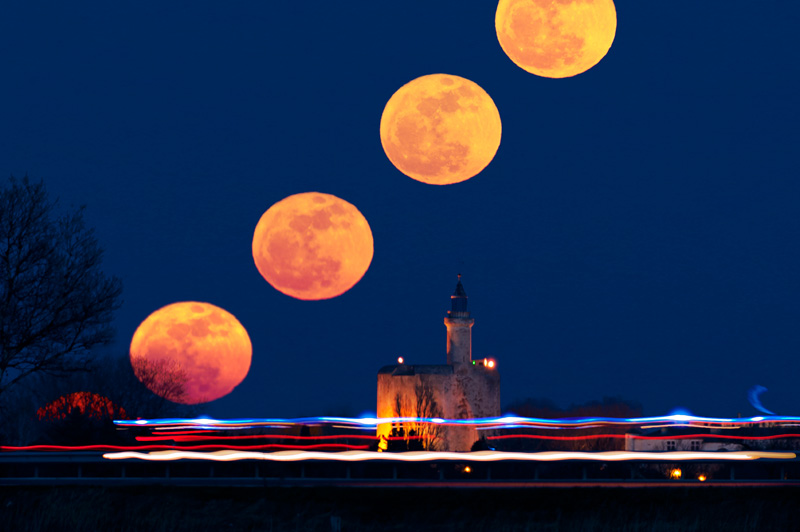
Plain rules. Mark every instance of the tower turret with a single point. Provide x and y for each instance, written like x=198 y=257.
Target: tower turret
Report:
x=459 y=328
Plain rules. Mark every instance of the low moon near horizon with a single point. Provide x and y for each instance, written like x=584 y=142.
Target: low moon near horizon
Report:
x=312 y=246
x=440 y=129
x=191 y=352
x=556 y=39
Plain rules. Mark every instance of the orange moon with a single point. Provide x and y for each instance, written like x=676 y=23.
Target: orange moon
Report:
x=312 y=246
x=440 y=129
x=556 y=38
x=191 y=352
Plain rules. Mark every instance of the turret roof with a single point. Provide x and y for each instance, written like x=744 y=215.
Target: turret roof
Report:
x=460 y=292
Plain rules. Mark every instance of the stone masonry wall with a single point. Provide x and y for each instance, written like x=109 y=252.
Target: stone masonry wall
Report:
x=469 y=392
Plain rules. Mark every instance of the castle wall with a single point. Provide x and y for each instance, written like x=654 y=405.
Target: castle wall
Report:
x=461 y=392
x=480 y=389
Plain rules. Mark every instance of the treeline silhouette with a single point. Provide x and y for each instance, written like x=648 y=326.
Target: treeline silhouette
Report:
x=583 y=439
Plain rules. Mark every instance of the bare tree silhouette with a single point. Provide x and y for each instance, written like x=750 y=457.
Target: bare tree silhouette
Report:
x=418 y=435
x=87 y=403
x=55 y=301
x=110 y=376
x=164 y=377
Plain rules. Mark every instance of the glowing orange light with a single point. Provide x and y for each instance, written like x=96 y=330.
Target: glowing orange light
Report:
x=86 y=403
x=191 y=352
x=556 y=39
x=702 y=477
x=491 y=364
x=467 y=469
x=312 y=246
x=675 y=473
x=399 y=360
x=440 y=129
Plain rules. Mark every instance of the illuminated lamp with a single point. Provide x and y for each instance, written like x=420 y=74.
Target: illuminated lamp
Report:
x=399 y=360
x=675 y=474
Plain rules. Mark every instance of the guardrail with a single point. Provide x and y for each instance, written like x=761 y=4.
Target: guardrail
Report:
x=90 y=468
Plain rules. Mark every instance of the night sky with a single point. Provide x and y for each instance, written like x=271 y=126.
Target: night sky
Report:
x=635 y=235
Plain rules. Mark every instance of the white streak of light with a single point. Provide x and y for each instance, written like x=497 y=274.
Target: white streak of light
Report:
x=422 y=456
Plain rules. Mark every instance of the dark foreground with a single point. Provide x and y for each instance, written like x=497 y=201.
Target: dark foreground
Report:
x=360 y=509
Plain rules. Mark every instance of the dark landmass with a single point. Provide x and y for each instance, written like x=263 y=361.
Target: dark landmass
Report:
x=394 y=509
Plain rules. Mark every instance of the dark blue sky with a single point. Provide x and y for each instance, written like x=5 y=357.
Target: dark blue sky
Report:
x=636 y=234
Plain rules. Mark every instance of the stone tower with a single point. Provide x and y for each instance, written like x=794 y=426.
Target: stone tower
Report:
x=459 y=328
x=461 y=389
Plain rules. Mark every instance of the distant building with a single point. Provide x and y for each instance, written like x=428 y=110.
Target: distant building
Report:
x=660 y=441
x=770 y=434
x=462 y=388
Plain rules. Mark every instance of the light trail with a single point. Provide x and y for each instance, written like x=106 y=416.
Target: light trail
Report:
x=692 y=425
x=341 y=446
x=636 y=437
x=424 y=456
x=180 y=437
x=495 y=423
x=101 y=447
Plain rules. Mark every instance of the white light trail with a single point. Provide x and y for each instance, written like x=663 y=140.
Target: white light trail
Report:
x=423 y=456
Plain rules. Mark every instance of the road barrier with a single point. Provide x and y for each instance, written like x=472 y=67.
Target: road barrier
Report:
x=91 y=468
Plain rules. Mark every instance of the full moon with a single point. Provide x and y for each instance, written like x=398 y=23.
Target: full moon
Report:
x=440 y=129
x=312 y=246
x=556 y=38
x=191 y=352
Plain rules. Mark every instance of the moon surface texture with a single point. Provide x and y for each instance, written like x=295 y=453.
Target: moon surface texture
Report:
x=440 y=129
x=312 y=246
x=191 y=352
x=556 y=38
